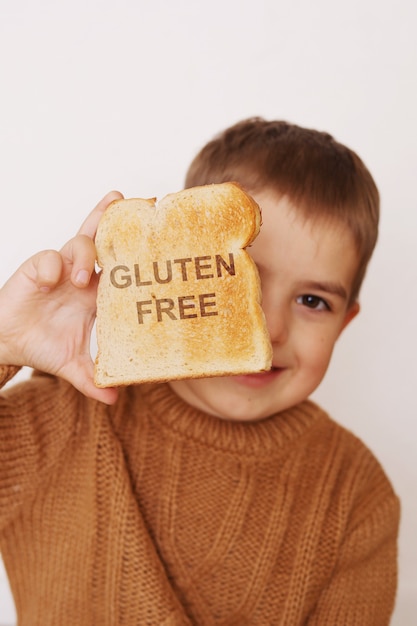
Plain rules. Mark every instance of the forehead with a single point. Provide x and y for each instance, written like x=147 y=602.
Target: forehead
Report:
x=309 y=249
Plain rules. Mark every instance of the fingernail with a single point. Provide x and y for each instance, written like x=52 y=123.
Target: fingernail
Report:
x=82 y=277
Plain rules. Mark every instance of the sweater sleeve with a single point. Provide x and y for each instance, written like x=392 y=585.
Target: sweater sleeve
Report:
x=363 y=586
x=37 y=419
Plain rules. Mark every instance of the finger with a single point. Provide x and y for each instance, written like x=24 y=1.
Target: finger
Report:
x=81 y=253
x=89 y=226
x=106 y=395
x=48 y=269
x=82 y=378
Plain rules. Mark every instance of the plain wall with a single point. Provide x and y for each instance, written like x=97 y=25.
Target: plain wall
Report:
x=97 y=95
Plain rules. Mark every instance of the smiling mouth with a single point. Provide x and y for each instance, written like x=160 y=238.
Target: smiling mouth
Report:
x=259 y=379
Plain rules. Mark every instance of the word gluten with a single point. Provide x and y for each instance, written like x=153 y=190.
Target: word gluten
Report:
x=201 y=267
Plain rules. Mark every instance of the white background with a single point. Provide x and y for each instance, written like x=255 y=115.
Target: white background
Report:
x=97 y=95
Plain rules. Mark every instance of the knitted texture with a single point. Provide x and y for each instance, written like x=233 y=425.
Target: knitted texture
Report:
x=152 y=513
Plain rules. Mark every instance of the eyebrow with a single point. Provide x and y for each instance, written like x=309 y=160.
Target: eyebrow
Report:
x=327 y=286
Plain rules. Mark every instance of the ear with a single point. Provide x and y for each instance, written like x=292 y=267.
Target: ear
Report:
x=352 y=312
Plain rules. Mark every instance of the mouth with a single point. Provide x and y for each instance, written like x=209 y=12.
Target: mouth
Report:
x=259 y=379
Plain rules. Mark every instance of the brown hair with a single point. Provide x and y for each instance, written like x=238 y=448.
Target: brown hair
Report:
x=321 y=177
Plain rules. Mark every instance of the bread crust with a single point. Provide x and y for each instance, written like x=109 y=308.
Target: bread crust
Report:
x=179 y=296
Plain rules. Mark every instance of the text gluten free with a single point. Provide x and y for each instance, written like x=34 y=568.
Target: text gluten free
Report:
x=181 y=269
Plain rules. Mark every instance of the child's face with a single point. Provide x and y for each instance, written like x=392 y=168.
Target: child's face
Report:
x=306 y=274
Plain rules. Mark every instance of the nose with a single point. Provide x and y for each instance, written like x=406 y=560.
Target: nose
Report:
x=277 y=319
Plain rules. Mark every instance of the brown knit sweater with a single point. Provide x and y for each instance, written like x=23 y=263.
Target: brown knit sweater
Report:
x=152 y=513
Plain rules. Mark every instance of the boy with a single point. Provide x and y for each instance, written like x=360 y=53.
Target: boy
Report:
x=226 y=501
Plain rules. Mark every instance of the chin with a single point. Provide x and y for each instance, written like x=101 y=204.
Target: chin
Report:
x=243 y=398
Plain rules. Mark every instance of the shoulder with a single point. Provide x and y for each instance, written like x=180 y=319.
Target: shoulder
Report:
x=352 y=464
x=345 y=445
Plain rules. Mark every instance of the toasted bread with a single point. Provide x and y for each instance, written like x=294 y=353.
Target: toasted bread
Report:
x=178 y=296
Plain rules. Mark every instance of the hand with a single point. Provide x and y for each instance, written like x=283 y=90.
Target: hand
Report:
x=48 y=308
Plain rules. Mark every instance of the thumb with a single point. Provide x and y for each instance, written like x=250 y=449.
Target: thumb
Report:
x=81 y=376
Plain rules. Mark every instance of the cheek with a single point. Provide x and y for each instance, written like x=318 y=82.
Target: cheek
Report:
x=317 y=353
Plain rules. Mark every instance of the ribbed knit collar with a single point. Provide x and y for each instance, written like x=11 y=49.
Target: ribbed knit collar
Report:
x=268 y=435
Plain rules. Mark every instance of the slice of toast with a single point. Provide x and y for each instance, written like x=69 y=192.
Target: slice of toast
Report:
x=178 y=296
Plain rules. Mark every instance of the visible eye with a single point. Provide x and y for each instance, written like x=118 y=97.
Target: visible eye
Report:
x=313 y=302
